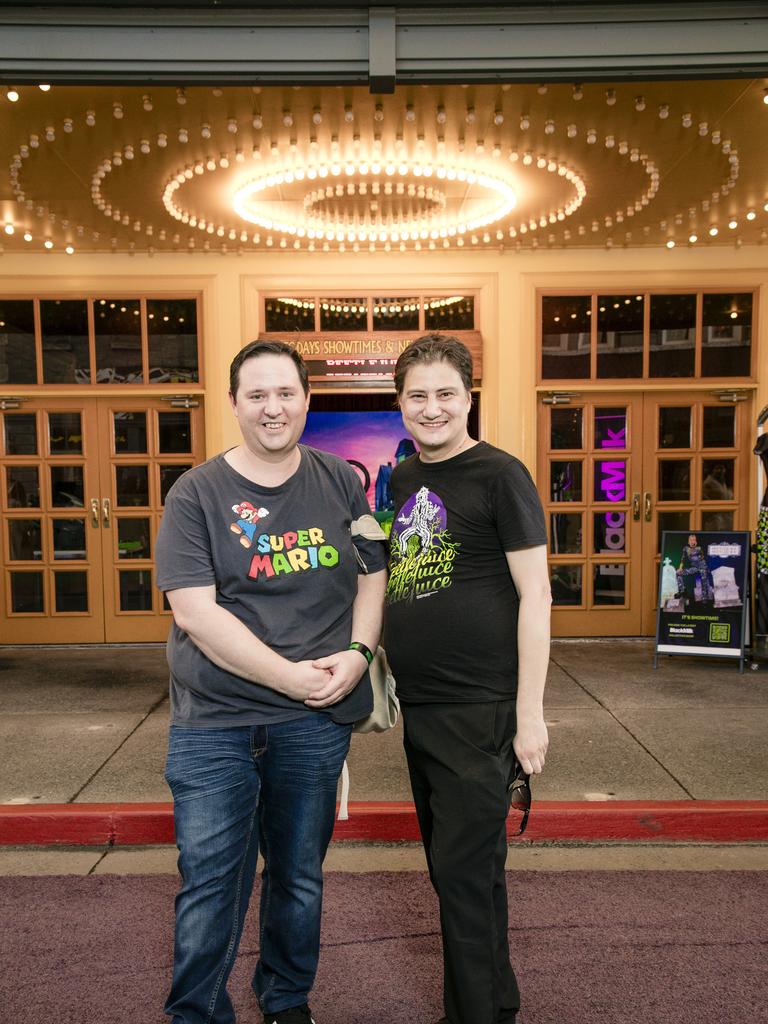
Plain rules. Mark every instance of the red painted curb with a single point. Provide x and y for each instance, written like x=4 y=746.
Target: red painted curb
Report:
x=724 y=821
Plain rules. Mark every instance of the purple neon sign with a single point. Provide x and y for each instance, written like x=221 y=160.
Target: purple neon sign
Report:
x=611 y=476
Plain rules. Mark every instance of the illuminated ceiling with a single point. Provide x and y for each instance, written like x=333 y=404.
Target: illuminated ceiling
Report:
x=557 y=166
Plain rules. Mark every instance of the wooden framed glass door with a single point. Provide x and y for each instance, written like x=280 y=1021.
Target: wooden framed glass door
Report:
x=52 y=588
x=695 y=474
x=590 y=476
x=614 y=473
x=83 y=485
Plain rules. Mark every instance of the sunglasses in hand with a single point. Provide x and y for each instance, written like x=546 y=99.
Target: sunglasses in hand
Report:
x=519 y=796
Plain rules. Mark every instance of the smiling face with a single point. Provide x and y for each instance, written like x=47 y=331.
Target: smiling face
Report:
x=435 y=407
x=270 y=406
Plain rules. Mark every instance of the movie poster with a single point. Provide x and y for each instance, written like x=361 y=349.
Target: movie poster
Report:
x=372 y=442
x=703 y=593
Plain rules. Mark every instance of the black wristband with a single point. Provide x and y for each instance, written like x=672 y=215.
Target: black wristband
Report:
x=366 y=652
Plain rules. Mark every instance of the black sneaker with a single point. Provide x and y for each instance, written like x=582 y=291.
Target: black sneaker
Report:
x=293 y=1015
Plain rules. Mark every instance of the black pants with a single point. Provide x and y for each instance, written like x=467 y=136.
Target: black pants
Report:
x=461 y=761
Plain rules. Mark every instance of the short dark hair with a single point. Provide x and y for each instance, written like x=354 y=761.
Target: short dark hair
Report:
x=267 y=348
x=435 y=348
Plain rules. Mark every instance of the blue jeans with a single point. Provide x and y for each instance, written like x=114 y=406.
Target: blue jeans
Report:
x=236 y=790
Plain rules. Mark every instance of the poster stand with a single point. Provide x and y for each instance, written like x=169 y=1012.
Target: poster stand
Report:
x=704 y=598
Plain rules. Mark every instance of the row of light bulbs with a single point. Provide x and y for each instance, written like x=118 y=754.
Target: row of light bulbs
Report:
x=527 y=159
x=13 y=95
x=408 y=307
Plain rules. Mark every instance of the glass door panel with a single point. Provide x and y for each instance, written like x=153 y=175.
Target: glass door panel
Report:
x=146 y=447
x=51 y=559
x=702 y=486
x=592 y=479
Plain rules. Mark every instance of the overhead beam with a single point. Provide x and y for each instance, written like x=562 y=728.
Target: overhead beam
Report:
x=383 y=45
x=382 y=49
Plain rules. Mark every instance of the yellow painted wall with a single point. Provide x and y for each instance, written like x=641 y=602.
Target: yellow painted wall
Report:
x=507 y=282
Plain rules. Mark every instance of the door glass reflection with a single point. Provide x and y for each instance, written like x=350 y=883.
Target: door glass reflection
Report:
x=608 y=584
x=24 y=540
x=721 y=519
x=117 y=326
x=620 y=335
x=565 y=533
x=675 y=426
x=719 y=426
x=20 y=433
x=132 y=538
x=17 y=342
x=64 y=326
x=450 y=313
x=726 y=335
x=565 y=336
x=289 y=313
x=130 y=432
x=69 y=538
x=67 y=488
x=168 y=477
x=135 y=590
x=565 y=481
x=398 y=314
x=27 y=592
x=566 y=428
x=672 y=335
x=671 y=521
x=71 y=591
x=175 y=432
x=610 y=532
x=565 y=581
x=132 y=485
x=22 y=487
x=65 y=433
x=717 y=479
x=611 y=427
x=674 y=480
x=172 y=340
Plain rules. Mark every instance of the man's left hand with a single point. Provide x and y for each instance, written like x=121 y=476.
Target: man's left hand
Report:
x=530 y=744
x=346 y=668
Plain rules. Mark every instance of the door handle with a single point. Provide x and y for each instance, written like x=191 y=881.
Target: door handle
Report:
x=636 y=506
x=647 y=505
x=105 y=507
x=95 y=513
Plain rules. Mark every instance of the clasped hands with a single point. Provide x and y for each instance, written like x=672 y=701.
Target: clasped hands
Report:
x=325 y=681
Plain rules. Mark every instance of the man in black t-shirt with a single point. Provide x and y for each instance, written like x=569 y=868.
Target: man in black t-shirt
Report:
x=467 y=636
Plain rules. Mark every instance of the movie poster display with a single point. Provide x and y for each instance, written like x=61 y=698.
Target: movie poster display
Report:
x=703 y=605
x=372 y=442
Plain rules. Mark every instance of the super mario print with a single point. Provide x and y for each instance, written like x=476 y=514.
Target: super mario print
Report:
x=245 y=526
x=278 y=554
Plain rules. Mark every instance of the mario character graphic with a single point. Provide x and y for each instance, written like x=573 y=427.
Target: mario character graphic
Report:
x=245 y=526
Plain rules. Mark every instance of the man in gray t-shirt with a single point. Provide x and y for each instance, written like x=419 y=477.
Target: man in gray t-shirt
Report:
x=272 y=637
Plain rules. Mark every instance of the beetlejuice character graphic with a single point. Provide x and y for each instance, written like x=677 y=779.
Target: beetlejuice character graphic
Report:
x=420 y=522
x=693 y=566
x=245 y=526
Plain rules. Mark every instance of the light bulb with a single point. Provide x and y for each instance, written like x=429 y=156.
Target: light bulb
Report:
x=232 y=126
x=117 y=111
x=664 y=111
x=349 y=114
x=578 y=92
x=146 y=102
x=12 y=94
x=610 y=97
x=639 y=103
x=181 y=97
x=317 y=116
x=90 y=118
x=258 y=121
x=44 y=87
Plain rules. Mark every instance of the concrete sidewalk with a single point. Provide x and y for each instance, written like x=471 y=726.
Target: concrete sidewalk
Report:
x=88 y=725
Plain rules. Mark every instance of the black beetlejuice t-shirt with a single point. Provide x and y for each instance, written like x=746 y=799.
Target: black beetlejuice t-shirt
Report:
x=451 y=621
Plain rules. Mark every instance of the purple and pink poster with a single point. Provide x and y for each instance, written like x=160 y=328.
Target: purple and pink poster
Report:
x=372 y=442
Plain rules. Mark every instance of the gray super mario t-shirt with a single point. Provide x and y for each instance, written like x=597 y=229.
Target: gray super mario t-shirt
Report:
x=282 y=561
